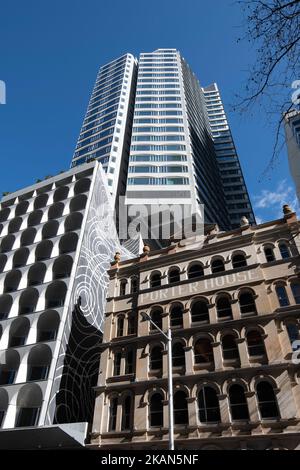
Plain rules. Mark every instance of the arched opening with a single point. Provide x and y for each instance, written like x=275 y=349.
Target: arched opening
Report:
x=269 y=254
x=50 y=229
x=156 y=361
x=199 y=311
x=293 y=333
x=56 y=211
x=295 y=286
x=174 y=275
x=126 y=413
x=284 y=250
x=181 y=415
x=238 y=403
x=156 y=317
x=68 y=243
x=61 y=194
x=176 y=316
x=217 y=266
x=120 y=326
x=18 y=332
x=178 y=355
x=39 y=361
x=28 y=301
x=134 y=285
x=239 y=261
x=5 y=305
x=4 y=214
x=78 y=203
x=195 y=270
x=3 y=260
x=36 y=274
x=282 y=296
x=224 y=310
x=267 y=402
x=156 y=410
x=62 y=267
x=155 y=280
x=82 y=186
x=20 y=257
x=21 y=208
x=117 y=363
x=55 y=294
x=113 y=410
x=47 y=326
x=208 y=404
x=4 y=400
x=40 y=201
x=10 y=361
x=35 y=218
x=73 y=221
x=123 y=284
x=29 y=404
x=129 y=361
x=230 y=348
x=43 y=250
x=12 y=281
x=203 y=351
x=14 y=225
x=255 y=343
x=28 y=236
x=131 y=330
x=247 y=303
x=7 y=243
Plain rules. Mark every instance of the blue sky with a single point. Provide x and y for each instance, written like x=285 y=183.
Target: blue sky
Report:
x=50 y=54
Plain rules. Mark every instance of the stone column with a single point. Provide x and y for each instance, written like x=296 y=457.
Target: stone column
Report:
x=243 y=352
x=192 y=410
x=224 y=408
x=218 y=356
x=252 y=406
x=189 y=362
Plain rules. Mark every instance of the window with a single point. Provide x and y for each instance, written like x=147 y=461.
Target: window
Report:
x=224 y=308
x=174 y=275
x=178 y=355
x=293 y=332
x=203 y=351
x=196 y=270
x=156 y=317
x=239 y=261
x=123 y=284
x=229 y=346
x=217 y=266
x=199 y=311
x=296 y=292
x=181 y=415
x=284 y=250
x=282 y=296
x=266 y=400
x=156 y=362
x=238 y=403
x=131 y=325
x=156 y=410
x=27 y=417
x=269 y=254
x=208 y=403
x=176 y=316
x=255 y=343
x=155 y=280
x=117 y=363
x=247 y=303
x=126 y=414
x=120 y=326
x=129 y=368
x=134 y=285
x=113 y=408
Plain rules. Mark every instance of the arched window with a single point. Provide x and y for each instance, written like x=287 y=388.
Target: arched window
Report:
x=239 y=261
x=230 y=348
x=20 y=257
x=21 y=208
x=82 y=186
x=117 y=363
x=267 y=402
x=174 y=275
x=123 y=284
x=7 y=243
x=155 y=280
x=284 y=250
x=5 y=305
x=62 y=267
x=282 y=296
x=29 y=402
x=293 y=332
x=55 y=294
x=217 y=266
x=203 y=351
x=247 y=303
x=224 y=310
x=208 y=404
x=126 y=414
x=269 y=254
x=129 y=363
x=156 y=410
x=36 y=274
x=18 y=332
x=176 y=316
x=28 y=236
x=78 y=203
x=113 y=409
x=296 y=291
x=43 y=250
x=3 y=260
x=41 y=201
x=10 y=362
x=47 y=326
x=238 y=403
x=3 y=405
x=61 y=194
x=34 y=218
x=156 y=362
x=39 y=361
x=68 y=243
x=196 y=270
x=12 y=281
x=56 y=211
x=133 y=285
x=255 y=343
x=178 y=355
x=120 y=326
x=14 y=225
x=156 y=317
x=199 y=311
x=28 y=301
x=181 y=415
x=50 y=229
x=73 y=222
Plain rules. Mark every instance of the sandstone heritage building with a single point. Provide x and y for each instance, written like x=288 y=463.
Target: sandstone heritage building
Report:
x=232 y=300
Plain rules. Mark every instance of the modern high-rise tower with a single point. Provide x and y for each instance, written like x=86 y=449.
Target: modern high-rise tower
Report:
x=292 y=136
x=236 y=195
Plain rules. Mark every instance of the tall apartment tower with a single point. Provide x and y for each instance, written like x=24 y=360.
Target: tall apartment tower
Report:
x=106 y=130
x=172 y=158
x=292 y=136
x=236 y=195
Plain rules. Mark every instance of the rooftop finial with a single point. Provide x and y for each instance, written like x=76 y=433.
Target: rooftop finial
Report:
x=244 y=221
x=286 y=209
